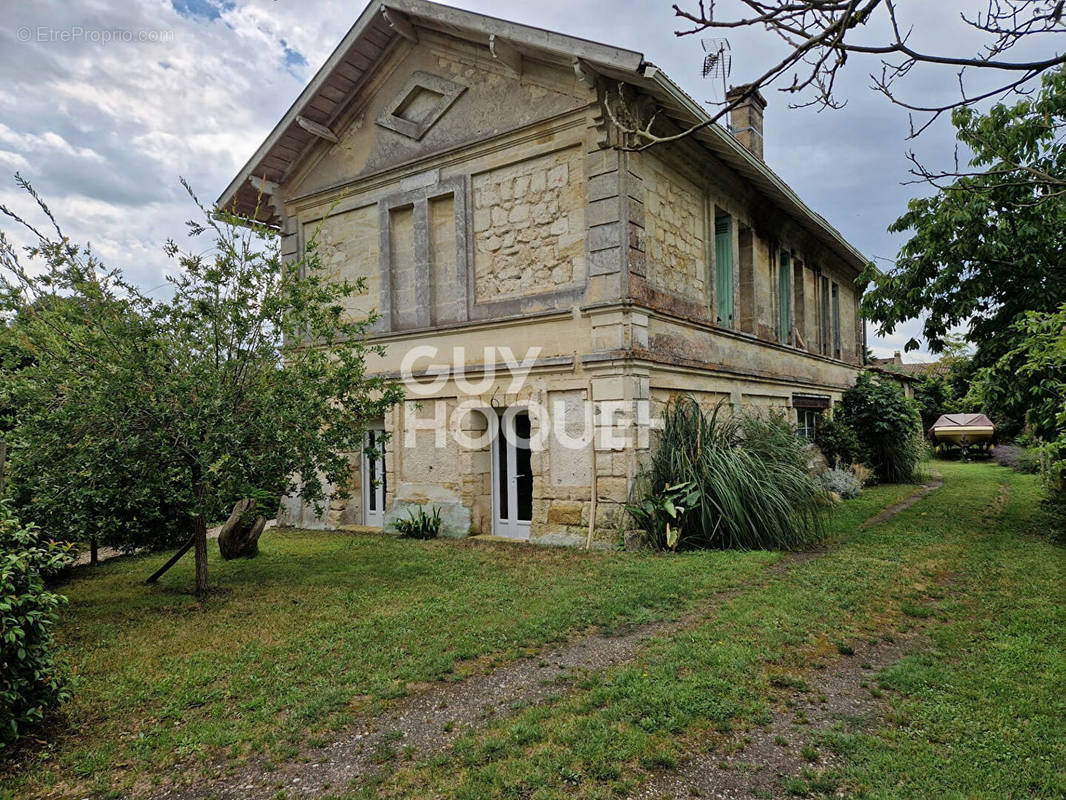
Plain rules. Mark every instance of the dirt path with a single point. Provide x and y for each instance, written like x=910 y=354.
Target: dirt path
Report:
x=427 y=723
x=764 y=758
x=934 y=482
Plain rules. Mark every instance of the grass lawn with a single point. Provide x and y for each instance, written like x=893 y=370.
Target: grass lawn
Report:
x=324 y=626
x=318 y=627
x=980 y=713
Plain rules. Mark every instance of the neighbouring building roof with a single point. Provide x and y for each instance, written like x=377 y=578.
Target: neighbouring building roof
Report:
x=322 y=103
x=918 y=370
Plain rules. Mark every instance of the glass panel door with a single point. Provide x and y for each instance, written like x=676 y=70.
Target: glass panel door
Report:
x=512 y=480
x=374 y=480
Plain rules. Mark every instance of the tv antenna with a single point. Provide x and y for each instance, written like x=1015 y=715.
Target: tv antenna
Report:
x=718 y=63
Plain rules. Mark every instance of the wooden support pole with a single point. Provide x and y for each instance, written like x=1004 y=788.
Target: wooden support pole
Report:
x=185 y=548
x=3 y=466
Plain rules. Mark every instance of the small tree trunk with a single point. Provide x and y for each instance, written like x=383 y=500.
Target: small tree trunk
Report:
x=94 y=555
x=200 y=535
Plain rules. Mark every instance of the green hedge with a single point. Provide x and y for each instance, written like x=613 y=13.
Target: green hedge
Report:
x=32 y=678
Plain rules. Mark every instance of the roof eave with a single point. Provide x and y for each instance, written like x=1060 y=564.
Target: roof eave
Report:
x=444 y=18
x=248 y=170
x=724 y=139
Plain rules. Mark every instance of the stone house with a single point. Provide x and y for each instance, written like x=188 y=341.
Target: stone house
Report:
x=533 y=277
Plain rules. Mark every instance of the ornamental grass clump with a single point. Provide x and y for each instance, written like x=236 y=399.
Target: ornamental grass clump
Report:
x=745 y=483
x=419 y=524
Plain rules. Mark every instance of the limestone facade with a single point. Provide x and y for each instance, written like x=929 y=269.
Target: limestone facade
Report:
x=510 y=232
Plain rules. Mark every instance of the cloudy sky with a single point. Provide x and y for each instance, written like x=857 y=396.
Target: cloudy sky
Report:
x=105 y=103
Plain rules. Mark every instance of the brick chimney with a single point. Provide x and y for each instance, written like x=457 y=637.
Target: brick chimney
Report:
x=746 y=118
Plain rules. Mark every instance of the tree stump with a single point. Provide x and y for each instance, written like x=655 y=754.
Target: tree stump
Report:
x=240 y=535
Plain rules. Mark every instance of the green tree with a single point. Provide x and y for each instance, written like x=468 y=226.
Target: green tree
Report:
x=13 y=357
x=1032 y=376
x=988 y=246
x=248 y=375
x=944 y=390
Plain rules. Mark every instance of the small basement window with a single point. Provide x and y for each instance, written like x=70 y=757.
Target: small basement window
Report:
x=810 y=409
x=808 y=421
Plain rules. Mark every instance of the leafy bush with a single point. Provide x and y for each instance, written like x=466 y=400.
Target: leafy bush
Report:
x=419 y=524
x=841 y=481
x=659 y=514
x=1019 y=459
x=887 y=427
x=739 y=482
x=32 y=679
x=839 y=443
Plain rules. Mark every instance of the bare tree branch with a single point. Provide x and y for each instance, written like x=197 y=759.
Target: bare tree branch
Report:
x=822 y=34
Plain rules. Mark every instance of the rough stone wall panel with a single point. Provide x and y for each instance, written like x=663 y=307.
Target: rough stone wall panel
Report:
x=348 y=245
x=529 y=227
x=675 y=231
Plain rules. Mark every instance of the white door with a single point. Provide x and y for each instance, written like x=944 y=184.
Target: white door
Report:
x=374 y=482
x=512 y=477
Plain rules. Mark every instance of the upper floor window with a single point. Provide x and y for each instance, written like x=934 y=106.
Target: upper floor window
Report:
x=723 y=268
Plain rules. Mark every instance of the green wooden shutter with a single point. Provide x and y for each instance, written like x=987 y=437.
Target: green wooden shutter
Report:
x=784 y=294
x=723 y=268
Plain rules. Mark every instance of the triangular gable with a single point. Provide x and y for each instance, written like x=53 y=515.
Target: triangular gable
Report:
x=432 y=97
x=385 y=23
x=381 y=27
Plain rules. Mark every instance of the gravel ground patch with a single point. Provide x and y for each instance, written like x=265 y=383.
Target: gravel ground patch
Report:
x=759 y=761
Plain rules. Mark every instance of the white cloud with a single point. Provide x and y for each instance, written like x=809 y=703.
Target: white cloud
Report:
x=13 y=161
x=104 y=129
